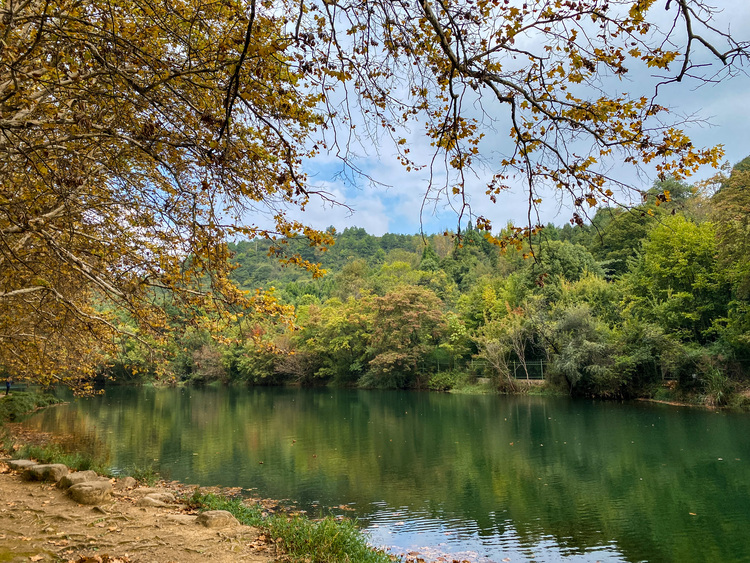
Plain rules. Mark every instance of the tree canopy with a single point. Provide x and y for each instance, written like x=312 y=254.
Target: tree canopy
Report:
x=137 y=137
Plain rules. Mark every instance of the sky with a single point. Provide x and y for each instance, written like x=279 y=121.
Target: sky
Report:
x=395 y=203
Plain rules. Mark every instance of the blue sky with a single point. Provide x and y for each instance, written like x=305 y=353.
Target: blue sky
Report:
x=395 y=203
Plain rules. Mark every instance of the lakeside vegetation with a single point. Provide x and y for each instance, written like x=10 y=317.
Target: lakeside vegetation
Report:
x=611 y=308
x=326 y=540
x=20 y=403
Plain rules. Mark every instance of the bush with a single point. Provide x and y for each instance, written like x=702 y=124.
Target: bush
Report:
x=447 y=380
x=19 y=403
x=717 y=387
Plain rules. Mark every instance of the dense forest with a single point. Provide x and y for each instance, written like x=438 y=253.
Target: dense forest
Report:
x=616 y=306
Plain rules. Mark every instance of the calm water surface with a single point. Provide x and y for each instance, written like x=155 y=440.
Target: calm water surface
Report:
x=470 y=477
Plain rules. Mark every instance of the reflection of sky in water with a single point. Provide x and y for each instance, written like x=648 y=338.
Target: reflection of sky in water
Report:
x=414 y=534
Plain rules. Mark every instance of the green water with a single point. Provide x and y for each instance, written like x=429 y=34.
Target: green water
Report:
x=472 y=477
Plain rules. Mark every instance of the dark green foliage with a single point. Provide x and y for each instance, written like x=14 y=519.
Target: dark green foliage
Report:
x=585 y=355
x=562 y=261
x=730 y=212
x=19 y=403
x=621 y=239
x=608 y=308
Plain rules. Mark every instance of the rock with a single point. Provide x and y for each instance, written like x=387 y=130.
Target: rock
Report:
x=92 y=492
x=145 y=491
x=151 y=501
x=77 y=477
x=126 y=483
x=156 y=499
x=46 y=472
x=216 y=519
x=20 y=464
x=163 y=497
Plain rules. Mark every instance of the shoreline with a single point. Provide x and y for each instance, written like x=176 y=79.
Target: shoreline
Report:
x=40 y=522
x=162 y=522
x=532 y=388
x=267 y=525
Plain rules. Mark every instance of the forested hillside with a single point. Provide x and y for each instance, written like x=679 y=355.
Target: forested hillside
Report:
x=612 y=307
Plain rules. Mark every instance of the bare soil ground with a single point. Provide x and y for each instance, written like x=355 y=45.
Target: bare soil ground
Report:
x=38 y=522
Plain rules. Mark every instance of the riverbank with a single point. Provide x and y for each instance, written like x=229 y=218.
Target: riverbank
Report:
x=260 y=531
x=161 y=522
x=734 y=396
x=40 y=522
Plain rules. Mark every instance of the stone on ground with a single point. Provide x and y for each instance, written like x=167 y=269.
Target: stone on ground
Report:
x=216 y=519
x=92 y=492
x=45 y=472
x=126 y=483
x=151 y=501
x=20 y=464
x=77 y=477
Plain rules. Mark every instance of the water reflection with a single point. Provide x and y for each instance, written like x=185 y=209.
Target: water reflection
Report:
x=483 y=478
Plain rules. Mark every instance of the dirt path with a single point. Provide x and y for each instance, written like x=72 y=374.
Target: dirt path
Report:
x=38 y=522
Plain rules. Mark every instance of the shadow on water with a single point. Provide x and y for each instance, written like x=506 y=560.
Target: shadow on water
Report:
x=486 y=477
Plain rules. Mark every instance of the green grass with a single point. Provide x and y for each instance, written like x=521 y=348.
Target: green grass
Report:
x=145 y=475
x=303 y=540
x=79 y=461
x=19 y=403
x=54 y=453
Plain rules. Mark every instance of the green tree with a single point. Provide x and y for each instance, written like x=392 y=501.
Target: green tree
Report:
x=619 y=232
x=677 y=281
x=731 y=216
x=556 y=262
x=730 y=211
x=338 y=334
x=408 y=324
x=502 y=343
x=138 y=137
x=584 y=357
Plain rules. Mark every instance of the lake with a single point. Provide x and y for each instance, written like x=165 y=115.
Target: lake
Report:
x=483 y=478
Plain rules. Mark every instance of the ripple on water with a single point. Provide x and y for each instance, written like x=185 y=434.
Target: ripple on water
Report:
x=432 y=537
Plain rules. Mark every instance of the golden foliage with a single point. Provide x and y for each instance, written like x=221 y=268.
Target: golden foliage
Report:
x=137 y=137
x=126 y=163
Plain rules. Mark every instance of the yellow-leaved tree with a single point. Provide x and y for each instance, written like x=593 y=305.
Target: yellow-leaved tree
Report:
x=133 y=137
x=137 y=136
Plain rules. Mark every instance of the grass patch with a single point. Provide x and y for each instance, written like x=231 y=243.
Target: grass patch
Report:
x=663 y=394
x=19 y=403
x=544 y=390
x=303 y=540
x=54 y=453
x=80 y=461
x=145 y=475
